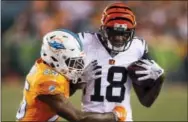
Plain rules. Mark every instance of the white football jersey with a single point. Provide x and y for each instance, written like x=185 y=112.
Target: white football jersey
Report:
x=114 y=87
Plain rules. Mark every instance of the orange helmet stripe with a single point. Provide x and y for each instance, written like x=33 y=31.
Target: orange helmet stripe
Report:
x=118 y=12
x=126 y=18
x=122 y=13
x=118 y=7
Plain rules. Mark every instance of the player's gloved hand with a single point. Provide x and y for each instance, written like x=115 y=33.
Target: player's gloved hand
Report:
x=120 y=113
x=91 y=72
x=153 y=70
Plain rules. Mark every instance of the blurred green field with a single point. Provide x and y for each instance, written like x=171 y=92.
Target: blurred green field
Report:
x=171 y=105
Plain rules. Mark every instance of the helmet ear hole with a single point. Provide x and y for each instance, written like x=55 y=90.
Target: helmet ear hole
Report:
x=52 y=65
x=64 y=57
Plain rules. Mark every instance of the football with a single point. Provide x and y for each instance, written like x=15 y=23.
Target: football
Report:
x=134 y=77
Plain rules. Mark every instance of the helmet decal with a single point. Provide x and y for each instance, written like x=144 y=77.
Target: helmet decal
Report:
x=75 y=36
x=120 y=27
x=56 y=45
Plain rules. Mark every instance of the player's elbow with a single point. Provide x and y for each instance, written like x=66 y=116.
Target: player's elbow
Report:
x=147 y=104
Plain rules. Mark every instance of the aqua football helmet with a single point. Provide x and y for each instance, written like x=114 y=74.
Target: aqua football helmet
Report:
x=62 y=50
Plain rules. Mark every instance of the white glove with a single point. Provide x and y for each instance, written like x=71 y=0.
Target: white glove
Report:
x=153 y=70
x=91 y=72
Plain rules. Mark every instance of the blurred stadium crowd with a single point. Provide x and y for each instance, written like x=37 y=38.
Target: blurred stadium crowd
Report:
x=163 y=24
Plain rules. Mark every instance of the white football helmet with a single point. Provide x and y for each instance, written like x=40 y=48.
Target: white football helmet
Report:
x=62 y=50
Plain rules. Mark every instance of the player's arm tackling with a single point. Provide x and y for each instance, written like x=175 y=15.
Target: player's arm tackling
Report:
x=63 y=107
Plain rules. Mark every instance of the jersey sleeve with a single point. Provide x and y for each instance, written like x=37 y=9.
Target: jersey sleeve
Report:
x=87 y=38
x=145 y=51
x=143 y=48
x=48 y=88
x=81 y=35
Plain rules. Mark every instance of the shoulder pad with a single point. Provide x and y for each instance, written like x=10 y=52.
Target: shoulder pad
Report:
x=140 y=39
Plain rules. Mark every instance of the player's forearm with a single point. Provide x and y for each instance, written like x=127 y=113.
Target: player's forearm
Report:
x=62 y=106
x=66 y=110
x=69 y=112
x=153 y=93
x=147 y=96
x=98 y=117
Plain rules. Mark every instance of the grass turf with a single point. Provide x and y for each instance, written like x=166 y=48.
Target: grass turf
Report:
x=171 y=104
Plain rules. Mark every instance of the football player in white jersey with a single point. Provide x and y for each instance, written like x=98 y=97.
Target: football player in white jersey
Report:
x=115 y=47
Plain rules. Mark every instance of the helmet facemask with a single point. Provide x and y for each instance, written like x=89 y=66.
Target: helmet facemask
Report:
x=75 y=67
x=117 y=39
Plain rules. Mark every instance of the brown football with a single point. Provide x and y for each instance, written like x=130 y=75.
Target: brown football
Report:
x=134 y=77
